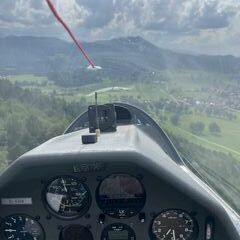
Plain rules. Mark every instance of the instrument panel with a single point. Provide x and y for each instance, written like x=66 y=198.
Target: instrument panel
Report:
x=115 y=206
x=130 y=185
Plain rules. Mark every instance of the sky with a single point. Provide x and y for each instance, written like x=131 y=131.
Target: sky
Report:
x=193 y=26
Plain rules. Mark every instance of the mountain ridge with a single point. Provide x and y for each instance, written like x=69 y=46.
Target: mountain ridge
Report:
x=123 y=39
x=123 y=58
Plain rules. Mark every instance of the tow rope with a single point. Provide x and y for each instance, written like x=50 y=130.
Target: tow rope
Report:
x=79 y=45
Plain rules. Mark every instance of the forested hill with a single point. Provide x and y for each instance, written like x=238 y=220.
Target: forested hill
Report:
x=28 y=118
x=130 y=58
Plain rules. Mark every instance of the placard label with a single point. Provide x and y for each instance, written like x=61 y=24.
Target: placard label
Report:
x=16 y=201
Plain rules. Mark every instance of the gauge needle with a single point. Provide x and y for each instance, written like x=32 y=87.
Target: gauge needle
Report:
x=64 y=185
x=174 y=236
x=168 y=231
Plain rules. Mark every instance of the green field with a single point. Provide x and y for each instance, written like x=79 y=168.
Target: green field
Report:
x=3 y=159
x=228 y=139
x=224 y=143
x=182 y=83
x=27 y=79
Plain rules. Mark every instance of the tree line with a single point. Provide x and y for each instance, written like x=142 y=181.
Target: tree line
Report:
x=28 y=118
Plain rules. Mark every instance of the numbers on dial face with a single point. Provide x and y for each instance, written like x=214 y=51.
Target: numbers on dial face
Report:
x=19 y=227
x=174 y=225
x=67 y=197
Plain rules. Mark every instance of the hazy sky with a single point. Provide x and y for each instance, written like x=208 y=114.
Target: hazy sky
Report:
x=203 y=26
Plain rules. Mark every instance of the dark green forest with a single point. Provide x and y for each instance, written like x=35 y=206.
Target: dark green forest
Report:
x=28 y=118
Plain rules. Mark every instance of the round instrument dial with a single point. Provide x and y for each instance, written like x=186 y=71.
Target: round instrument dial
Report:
x=21 y=227
x=118 y=231
x=174 y=225
x=75 y=232
x=121 y=196
x=67 y=197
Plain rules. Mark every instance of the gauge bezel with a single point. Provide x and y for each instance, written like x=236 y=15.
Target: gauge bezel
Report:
x=126 y=227
x=117 y=174
x=61 y=216
x=79 y=226
x=22 y=215
x=196 y=225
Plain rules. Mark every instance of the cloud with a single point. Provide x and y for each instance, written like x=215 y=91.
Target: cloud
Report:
x=155 y=15
x=101 y=12
x=175 y=15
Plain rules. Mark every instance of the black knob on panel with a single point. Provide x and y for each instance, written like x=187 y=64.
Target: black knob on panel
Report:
x=75 y=232
x=101 y=218
x=142 y=217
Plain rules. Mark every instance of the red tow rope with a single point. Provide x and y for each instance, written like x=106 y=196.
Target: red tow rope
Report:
x=79 y=45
